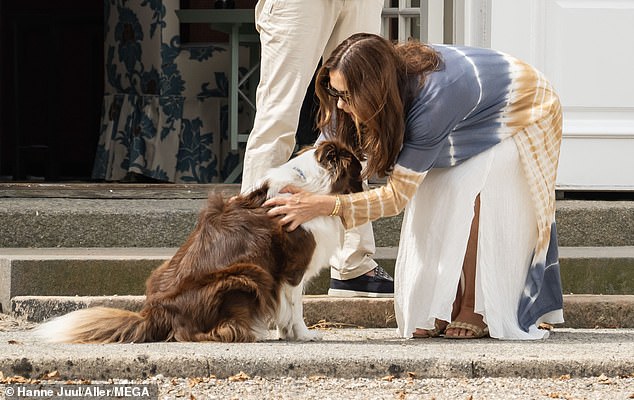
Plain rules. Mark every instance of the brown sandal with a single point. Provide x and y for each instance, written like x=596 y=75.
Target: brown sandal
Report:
x=477 y=331
x=431 y=333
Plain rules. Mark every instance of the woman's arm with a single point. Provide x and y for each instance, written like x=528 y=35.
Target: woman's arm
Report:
x=385 y=201
x=355 y=209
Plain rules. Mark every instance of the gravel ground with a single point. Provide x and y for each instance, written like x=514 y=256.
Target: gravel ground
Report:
x=10 y=324
x=243 y=387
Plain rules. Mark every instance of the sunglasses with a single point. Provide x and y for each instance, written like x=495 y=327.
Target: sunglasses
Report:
x=332 y=92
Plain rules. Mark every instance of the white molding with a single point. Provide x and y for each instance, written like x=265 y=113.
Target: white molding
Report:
x=598 y=122
x=472 y=22
x=435 y=20
x=458 y=22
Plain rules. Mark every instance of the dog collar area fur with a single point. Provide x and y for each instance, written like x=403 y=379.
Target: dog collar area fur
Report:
x=300 y=173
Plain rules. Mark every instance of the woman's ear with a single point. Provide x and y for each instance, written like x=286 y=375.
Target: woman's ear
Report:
x=344 y=167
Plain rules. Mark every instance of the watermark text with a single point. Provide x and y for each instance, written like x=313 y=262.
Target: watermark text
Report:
x=80 y=391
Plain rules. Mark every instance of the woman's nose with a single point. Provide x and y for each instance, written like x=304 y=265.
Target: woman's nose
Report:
x=342 y=105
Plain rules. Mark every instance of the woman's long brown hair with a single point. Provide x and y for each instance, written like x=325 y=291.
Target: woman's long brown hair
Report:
x=377 y=74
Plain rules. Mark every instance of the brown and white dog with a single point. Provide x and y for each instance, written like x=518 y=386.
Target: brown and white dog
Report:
x=239 y=270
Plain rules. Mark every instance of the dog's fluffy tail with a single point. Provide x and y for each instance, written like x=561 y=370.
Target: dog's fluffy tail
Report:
x=97 y=325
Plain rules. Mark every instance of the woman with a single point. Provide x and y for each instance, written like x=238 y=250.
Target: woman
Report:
x=469 y=140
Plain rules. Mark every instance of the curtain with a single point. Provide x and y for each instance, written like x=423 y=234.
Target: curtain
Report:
x=164 y=113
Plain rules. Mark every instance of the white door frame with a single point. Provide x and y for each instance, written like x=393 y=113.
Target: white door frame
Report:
x=598 y=138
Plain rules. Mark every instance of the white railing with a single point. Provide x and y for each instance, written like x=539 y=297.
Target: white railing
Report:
x=418 y=19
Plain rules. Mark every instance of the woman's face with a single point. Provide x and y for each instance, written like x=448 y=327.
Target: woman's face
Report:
x=338 y=83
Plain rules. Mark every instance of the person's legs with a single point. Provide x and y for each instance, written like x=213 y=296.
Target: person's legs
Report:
x=355 y=16
x=287 y=66
x=293 y=36
x=465 y=304
x=354 y=272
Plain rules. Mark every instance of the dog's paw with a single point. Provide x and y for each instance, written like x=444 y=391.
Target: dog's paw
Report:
x=309 y=336
x=284 y=332
x=300 y=334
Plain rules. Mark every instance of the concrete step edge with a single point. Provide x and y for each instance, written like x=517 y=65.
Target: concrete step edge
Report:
x=60 y=271
x=580 y=311
x=115 y=222
x=163 y=253
x=343 y=353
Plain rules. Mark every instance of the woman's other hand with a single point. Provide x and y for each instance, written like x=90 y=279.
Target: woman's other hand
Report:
x=299 y=207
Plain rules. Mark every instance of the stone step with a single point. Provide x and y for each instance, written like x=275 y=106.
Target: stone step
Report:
x=165 y=222
x=123 y=271
x=580 y=311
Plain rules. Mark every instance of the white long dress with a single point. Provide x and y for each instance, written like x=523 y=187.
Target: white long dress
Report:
x=434 y=238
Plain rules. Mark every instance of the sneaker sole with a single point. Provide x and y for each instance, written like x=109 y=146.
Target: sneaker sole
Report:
x=352 y=293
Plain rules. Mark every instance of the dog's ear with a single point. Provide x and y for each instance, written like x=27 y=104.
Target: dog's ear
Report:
x=343 y=165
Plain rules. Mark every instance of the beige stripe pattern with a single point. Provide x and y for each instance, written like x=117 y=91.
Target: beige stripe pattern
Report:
x=532 y=116
x=387 y=200
x=535 y=119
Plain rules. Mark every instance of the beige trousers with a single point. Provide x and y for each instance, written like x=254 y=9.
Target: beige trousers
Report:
x=294 y=35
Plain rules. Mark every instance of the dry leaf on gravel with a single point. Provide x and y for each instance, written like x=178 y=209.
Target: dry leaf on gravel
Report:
x=51 y=375
x=325 y=325
x=239 y=377
x=18 y=379
x=604 y=380
x=9 y=323
x=195 y=381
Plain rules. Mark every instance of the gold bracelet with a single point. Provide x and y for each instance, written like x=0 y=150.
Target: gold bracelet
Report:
x=335 y=211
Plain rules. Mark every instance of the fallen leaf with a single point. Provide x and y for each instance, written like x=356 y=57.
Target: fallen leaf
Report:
x=325 y=325
x=564 y=377
x=388 y=378
x=240 y=376
x=604 y=380
x=52 y=374
x=194 y=381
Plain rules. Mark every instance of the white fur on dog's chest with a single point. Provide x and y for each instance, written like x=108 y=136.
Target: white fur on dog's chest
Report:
x=328 y=234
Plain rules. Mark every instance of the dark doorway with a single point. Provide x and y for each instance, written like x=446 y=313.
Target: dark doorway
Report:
x=51 y=88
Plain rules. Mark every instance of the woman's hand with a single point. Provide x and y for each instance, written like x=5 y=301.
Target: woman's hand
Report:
x=299 y=207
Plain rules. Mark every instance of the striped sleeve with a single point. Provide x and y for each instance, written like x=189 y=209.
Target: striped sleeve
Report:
x=384 y=201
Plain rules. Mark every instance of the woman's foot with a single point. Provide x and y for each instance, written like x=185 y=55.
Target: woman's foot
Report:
x=467 y=325
x=467 y=331
x=439 y=329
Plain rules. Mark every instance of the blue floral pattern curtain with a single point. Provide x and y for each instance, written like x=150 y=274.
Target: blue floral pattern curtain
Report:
x=164 y=112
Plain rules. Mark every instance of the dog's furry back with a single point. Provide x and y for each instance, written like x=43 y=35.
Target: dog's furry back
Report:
x=230 y=279
x=189 y=300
